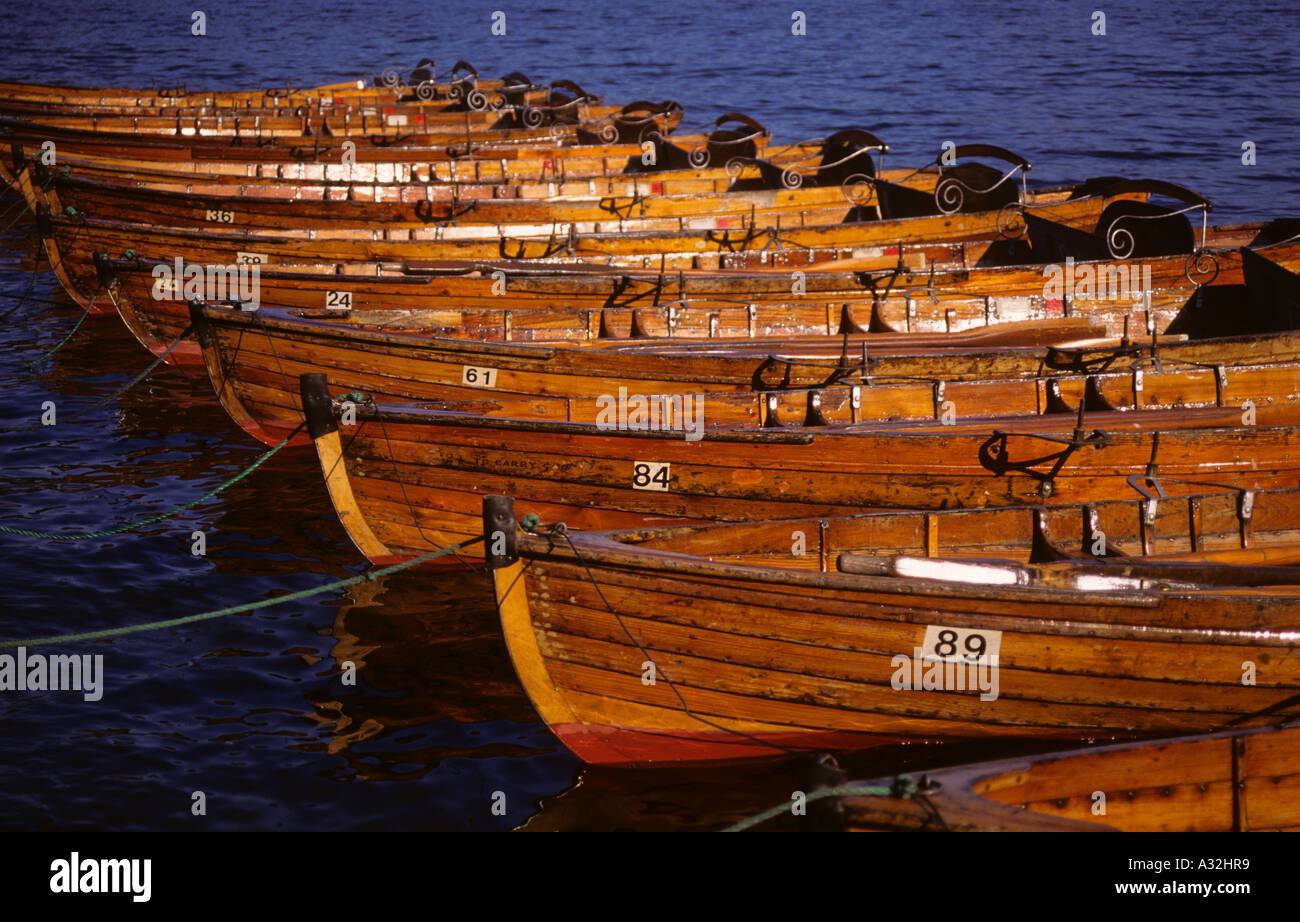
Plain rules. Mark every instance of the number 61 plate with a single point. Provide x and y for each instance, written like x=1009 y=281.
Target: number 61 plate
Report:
x=960 y=645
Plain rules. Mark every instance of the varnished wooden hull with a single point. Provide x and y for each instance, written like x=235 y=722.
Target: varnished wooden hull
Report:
x=419 y=118
x=880 y=246
x=350 y=91
x=523 y=160
x=407 y=479
x=384 y=144
x=1238 y=781
x=384 y=207
x=254 y=362
x=757 y=647
x=255 y=359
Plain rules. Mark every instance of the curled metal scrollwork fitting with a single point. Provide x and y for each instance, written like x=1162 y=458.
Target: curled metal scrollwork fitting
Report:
x=1120 y=240
x=498 y=102
x=735 y=166
x=1011 y=221
x=608 y=133
x=476 y=100
x=391 y=77
x=1202 y=267
x=948 y=195
x=533 y=117
x=699 y=155
x=790 y=179
x=858 y=189
x=456 y=91
x=425 y=91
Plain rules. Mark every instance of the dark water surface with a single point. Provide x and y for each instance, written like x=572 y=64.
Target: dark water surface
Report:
x=250 y=709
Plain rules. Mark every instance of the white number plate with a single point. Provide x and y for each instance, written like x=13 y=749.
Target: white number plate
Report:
x=651 y=475
x=221 y=217
x=478 y=377
x=959 y=645
x=247 y=259
x=338 y=300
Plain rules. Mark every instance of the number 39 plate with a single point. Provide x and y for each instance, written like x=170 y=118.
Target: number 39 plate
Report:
x=960 y=645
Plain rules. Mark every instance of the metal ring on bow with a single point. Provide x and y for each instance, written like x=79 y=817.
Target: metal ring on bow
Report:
x=1195 y=261
x=858 y=189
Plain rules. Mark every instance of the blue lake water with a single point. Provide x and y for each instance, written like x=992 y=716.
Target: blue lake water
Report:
x=250 y=709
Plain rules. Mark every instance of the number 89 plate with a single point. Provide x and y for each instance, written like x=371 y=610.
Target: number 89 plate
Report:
x=960 y=645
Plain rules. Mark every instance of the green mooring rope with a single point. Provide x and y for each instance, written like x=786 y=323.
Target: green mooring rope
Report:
x=847 y=790
x=56 y=536
x=22 y=213
x=71 y=333
x=236 y=609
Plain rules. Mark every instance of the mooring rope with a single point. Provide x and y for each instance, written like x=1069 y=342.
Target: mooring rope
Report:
x=22 y=205
x=31 y=284
x=71 y=333
x=49 y=301
x=249 y=606
x=845 y=790
x=57 y=536
x=162 y=357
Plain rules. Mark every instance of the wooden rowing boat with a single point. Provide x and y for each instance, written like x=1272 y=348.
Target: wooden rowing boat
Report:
x=849 y=291
x=392 y=145
x=289 y=205
x=460 y=189
x=254 y=360
x=418 y=83
x=422 y=122
x=501 y=163
x=93 y=114
x=325 y=153
x=1232 y=781
x=730 y=642
x=516 y=104
x=409 y=477
x=398 y=206
x=513 y=91
x=72 y=240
